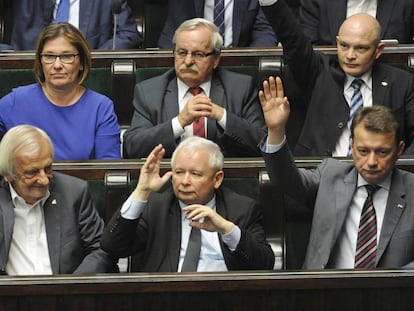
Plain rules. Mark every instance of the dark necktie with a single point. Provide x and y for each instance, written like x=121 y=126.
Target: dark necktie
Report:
x=356 y=103
x=366 y=248
x=219 y=15
x=356 y=99
x=192 y=255
x=62 y=12
x=199 y=124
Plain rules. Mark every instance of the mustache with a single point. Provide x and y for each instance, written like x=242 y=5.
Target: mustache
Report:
x=193 y=67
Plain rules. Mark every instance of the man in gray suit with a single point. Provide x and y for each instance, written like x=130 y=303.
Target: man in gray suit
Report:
x=336 y=190
x=165 y=108
x=48 y=221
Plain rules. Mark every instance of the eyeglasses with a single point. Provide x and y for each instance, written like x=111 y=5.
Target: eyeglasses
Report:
x=64 y=58
x=197 y=56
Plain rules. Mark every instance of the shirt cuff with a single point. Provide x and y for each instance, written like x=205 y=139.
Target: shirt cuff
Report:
x=267 y=2
x=132 y=209
x=268 y=148
x=223 y=121
x=232 y=238
x=176 y=126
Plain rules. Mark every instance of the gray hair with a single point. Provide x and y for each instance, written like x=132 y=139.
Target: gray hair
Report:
x=193 y=144
x=195 y=23
x=18 y=138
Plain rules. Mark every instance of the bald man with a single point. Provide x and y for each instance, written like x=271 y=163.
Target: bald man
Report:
x=328 y=81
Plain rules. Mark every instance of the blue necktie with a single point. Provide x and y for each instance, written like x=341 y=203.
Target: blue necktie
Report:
x=219 y=15
x=356 y=99
x=62 y=12
x=356 y=103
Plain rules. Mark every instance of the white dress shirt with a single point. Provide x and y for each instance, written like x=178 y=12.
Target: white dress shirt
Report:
x=211 y=256
x=361 y=6
x=73 y=12
x=29 y=252
x=228 y=19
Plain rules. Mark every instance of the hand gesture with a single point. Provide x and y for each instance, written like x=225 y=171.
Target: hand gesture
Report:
x=149 y=177
x=203 y=217
x=275 y=106
x=196 y=107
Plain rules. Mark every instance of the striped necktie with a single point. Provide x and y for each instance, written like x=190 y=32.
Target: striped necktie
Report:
x=62 y=12
x=366 y=248
x=356 y=103
x=219 y=16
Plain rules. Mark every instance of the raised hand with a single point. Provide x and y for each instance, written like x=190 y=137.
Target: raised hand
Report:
x=149 y=177
x=275 y=106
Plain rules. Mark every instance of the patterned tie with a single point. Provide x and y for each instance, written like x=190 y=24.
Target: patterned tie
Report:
x=62 y=12
x=219 y=15
x=199 y=124
x=192 y=254
x=366 y=248
x=356 y=99
x=356 y=103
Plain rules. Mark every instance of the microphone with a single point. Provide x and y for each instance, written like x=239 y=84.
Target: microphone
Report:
x=116 y=9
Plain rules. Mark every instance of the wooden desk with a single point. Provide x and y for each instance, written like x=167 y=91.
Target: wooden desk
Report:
x=293 y=291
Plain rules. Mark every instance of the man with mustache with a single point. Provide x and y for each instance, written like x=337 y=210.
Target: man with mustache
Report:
x=48 y=221
x=225 y=104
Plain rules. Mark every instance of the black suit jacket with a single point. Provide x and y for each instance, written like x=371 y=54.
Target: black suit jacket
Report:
x=95 y=21
x=156 y=235
x=250 y=27
x=73 y=228
x=322 y=79
x=321 y=19
x=156 y=104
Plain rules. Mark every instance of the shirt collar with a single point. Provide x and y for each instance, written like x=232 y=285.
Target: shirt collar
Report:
x=16 y=197
x=384 y=184
x=183 y=88
x=366 y=77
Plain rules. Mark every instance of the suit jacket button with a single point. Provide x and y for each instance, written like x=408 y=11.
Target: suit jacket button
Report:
x=340 y=125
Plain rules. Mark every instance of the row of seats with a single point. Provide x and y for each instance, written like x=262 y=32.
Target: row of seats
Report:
x=111 y=182
x=115 y=73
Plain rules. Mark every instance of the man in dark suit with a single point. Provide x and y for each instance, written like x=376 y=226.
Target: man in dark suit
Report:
x=157 y=226
x=336 y=191
x=48 y=221
x=321 y=19
x=93 y=17
x=328 y=83
x=165 y=108
x=249 y=25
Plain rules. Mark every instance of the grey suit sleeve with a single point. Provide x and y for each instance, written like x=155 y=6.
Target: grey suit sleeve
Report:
x=148 y=126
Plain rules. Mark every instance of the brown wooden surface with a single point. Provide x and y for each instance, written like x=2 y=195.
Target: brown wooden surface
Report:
x=290 y=290
x=164 y=57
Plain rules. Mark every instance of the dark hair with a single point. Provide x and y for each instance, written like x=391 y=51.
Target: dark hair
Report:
x=377 y=119
x=75 y=37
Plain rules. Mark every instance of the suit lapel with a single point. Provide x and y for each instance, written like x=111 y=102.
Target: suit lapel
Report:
x=344 y=193
x=384 y=10
x=395 y=207
x=238 y=11
x=7 y=219
x=85 y=6
x=380 y=86
x=48 y=9
x=217 y=96
x=51 y=210
x=174 y=241
x=199 y=7
x=171 y=96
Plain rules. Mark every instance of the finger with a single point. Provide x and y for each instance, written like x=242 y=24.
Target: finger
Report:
x=279 y=87
x=272 y=87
